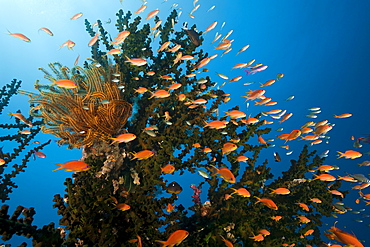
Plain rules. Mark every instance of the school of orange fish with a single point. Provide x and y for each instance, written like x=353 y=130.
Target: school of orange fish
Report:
x=313 y=132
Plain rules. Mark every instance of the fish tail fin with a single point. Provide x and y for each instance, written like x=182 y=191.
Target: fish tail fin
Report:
x=114 y=140
x=60 y=167
x=213 y=170
x=9 y=33
x=232 y=193
x=247 y=71
x=163 y=243
x=316 y=177
x=128 y=59
x=341 y=155
x=258 y=199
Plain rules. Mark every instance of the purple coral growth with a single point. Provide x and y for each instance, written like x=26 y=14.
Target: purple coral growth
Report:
x=197 y=191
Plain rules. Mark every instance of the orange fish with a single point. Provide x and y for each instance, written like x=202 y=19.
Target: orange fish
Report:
x=323 y=129
x=46 y=30
x=123 y=206
x=152 y=14
x=216 y=124
x=281 y=191
x=168 y=169
x=74 y=165
x=166 y=77
x=224 y=173
x=258 y=238
x=174 y=86
x=141 y=90
x=76 y=16
x=337 y=193
x=25 y=132
x=263 y=101
x=309 y=137
x=65 y=83
x=276 y=218
x=261 y=140
x=20 y=36
x=293 y=135
x=175 y=238
x=223 y=46
x=306 y=130
x=157 y=24
x=164 y=46
x=316 y=200
x=242 y=192
x=350 y=154
x=2 y=162
x=325 y=177
x=121 y=37
x=227 y=242
x=268 y=83
x=136 y=61
x=93 y=40
x=286 y=117
x=212 y=26
x=309 y=232
x=347 y=178
x=345 y=237
x=254 y=94
x=325 y=168
x=243 y=49
x=199 y=101
x=303 y=206
x=202 y=63
x=303 y=219
x=344 y=115
x=138 y=240
x=264 y=232
x=144 y=154
x=160 y=94
x=170 y=208
x=228 y=147
x=235 y=114
x=242 y=158
x=268 y=202
x=69 y=43
x=141 y=9
x=240 y=66
x=114 y=51
x=237 y=78
x=127 y=137
x=250 y=120
x=21 y=118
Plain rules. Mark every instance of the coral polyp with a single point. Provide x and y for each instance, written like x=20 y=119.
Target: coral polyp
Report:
x=94 y=110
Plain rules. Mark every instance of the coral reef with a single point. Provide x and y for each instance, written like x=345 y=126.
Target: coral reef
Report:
x=123 y=195
x=93 y=110
x=17 y=141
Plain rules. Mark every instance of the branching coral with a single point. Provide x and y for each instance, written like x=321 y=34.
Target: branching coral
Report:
x=174 y=130
x=80 y=116
x=17 y=141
